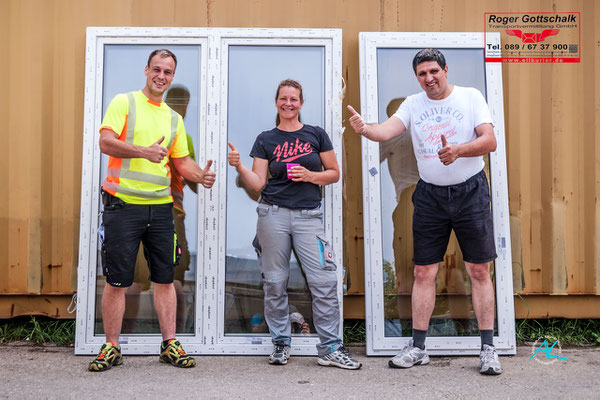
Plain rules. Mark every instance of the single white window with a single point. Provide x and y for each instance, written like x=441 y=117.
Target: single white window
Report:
x=389 y=176
x=252 y=70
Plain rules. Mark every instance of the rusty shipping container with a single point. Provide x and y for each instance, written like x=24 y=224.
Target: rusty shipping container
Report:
x=552 y=116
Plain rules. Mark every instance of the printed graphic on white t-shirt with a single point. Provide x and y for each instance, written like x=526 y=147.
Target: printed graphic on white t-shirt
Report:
x=456 y=117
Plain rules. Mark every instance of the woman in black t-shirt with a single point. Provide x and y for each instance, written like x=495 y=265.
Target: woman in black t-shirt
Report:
x=299 y=158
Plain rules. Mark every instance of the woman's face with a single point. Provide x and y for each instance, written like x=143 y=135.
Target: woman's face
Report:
x=288 y=102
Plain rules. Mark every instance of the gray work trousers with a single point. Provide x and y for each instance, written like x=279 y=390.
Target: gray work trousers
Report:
x=278 y=229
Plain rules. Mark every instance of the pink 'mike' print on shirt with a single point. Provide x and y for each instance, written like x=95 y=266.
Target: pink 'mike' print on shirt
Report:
x=292 y=151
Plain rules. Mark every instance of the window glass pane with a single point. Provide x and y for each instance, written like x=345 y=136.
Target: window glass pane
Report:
x=124 y=72
x=253 y=76
x=453 y=314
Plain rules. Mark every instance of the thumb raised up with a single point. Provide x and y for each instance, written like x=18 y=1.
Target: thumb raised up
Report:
x=208 y=176
x=155 y=152
x=357 y=122
x=234 y=156
x=444 y=141
x=352 y=110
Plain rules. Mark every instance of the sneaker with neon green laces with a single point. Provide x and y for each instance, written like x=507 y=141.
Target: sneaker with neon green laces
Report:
x=174 y=354
x=109 y=355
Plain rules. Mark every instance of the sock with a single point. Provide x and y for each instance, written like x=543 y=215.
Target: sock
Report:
x=487 y=337
x=419 y=338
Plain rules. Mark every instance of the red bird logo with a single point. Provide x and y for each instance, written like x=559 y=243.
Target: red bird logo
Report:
x=532 y=37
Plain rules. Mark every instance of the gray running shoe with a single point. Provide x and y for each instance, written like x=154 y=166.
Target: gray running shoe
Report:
x=339 y=358
x=409 y=356
x=488 y=361
x=280 y=354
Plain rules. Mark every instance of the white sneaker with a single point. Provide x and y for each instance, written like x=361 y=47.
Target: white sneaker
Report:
x=409 y=356
x=339 y=358
x=280 y=354
x=488 y=361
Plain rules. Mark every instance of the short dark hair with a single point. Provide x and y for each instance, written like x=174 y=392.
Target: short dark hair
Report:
x=429 y=55
x=291 y=83
x=164 y=53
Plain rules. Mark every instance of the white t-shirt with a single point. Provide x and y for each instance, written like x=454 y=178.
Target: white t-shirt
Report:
x=455 y=116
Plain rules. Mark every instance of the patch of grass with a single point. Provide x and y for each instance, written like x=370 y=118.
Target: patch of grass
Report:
x=355 y=331
x=574 y=332
x=579 y=332
x=38 y=330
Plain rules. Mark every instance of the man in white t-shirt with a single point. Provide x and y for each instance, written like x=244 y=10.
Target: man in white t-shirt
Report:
x=451 y=129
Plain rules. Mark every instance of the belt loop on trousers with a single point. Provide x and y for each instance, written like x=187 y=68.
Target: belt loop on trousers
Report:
x=275 y=208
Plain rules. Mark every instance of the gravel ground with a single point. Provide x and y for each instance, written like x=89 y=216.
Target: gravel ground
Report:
x=28 y=371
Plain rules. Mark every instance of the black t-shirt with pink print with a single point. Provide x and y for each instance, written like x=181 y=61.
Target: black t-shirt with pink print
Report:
x=299 y=147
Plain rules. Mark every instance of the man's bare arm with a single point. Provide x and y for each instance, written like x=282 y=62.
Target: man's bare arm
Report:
x=376 y=132
x=112 y=146
x=192 y=172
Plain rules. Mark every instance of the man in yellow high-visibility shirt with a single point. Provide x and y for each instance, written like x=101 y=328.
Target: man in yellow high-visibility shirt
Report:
x=140 y=133
x=178 y=98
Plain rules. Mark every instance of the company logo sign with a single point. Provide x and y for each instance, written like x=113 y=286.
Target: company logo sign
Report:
x=533 y=37
x=545 y=353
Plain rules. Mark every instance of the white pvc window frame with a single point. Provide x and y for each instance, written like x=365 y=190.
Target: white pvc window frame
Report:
x=208 y=337
x=377 y=342
x=330 y=40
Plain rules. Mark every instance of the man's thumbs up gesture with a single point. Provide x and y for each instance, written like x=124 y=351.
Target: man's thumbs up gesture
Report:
x=357 y=122
x=448 y=153
x=208 y=175
x=156 y=152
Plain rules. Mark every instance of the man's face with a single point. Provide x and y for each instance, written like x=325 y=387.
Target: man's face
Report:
x=159 y=74
x=433 y=79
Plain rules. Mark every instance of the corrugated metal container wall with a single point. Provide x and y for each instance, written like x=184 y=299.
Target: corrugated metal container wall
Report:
x=552 y=116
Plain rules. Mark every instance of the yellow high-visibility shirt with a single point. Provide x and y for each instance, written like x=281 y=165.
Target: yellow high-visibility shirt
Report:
x=138 y=180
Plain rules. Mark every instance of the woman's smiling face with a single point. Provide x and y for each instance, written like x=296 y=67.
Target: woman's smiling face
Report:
x=288 y=102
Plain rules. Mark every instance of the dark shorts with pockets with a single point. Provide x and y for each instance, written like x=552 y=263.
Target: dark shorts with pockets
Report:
x=125 y=225
x=464 y=207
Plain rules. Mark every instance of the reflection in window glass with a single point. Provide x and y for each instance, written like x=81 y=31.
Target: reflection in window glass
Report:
x=124 y=72
x=254 y=73
x=453 y=314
